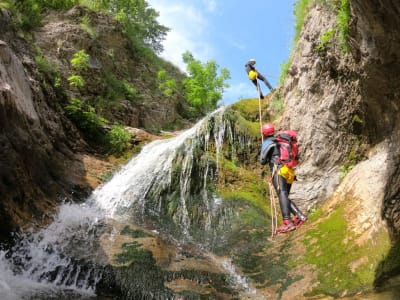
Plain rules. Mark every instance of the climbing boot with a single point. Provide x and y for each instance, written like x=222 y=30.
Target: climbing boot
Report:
x=299 y=220
x=287 y=226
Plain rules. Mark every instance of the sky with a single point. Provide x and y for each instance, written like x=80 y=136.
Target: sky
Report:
x=230 y=32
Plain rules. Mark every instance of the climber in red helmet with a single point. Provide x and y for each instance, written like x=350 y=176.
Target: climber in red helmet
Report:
x=282 y=178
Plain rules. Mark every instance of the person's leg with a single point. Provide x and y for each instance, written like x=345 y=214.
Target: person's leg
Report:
x=282 y=190
x=280 y=186
x=300 y=218
x=262 y=77
x=255 y=82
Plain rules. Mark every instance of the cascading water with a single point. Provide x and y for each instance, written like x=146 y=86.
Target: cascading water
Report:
x=167 y=183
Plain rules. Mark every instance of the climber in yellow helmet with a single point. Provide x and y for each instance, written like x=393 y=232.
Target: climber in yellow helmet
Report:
x=254 y=75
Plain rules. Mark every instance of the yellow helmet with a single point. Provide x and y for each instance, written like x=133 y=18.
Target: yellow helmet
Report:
x=252 y=75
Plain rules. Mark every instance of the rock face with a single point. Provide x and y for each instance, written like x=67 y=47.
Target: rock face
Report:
x=344 y=104
x=111 y=56
x=37 y=144
x=43 y=157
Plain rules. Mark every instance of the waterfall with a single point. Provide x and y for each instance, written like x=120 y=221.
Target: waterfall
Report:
x=159 y=183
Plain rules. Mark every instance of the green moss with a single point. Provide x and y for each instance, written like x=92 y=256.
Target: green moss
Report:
x=246 y=107
x=132 y=252
x=332 y=248
x=249 y=188
x=134 y=233
x=245 y=114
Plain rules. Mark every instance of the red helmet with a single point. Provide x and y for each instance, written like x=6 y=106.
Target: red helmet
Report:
x=268 y=129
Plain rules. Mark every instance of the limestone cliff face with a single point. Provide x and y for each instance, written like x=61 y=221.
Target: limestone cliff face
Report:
x=37 y=144
x=344 y=105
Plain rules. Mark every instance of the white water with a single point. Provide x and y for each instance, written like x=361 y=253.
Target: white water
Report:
x=41 y=254
x=45 y=261
x=129 y=186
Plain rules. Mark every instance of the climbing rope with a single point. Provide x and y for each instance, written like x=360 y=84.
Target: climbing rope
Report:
x=272 y=197
x=259 y=109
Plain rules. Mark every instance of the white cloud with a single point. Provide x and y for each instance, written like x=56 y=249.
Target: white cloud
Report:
x=188 y=30
x=211 y=5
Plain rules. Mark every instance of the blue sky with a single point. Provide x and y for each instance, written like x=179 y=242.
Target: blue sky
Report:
x=229 y=32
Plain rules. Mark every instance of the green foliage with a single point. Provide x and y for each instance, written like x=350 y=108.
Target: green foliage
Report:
x=204 y=87
x=85 y=118
x=80 y=61
x=27 y=14
x=58 y=4
x=50 y=70
x=5 y=4
x=325 y=39
x=357 y=119
x=345 y=170
x=139 y=21
x=284 y=70
x=76 y=81
x=166 y=85
x=45 y=66
x=129 y=91
x=300 y=12
x=119 y=139
x=119 y=90
x=343 y=19
x=85 y=25
x=57 y=82
x=276 y=103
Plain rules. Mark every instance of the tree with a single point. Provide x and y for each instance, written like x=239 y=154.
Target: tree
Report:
x=140 y=22
x=204 y=87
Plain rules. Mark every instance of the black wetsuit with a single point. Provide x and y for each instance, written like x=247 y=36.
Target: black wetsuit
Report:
x=250 y=67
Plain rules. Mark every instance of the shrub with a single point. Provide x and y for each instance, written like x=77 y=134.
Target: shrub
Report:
x=80 y=61
x=325 y=39
x=118 y=139
x=76 y=81
x=166 y=85
x=85 y=118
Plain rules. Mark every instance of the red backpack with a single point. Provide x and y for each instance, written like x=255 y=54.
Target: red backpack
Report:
x=287 y=141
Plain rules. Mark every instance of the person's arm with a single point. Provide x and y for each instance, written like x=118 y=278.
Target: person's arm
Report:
x=266 y=151
x=248 y=68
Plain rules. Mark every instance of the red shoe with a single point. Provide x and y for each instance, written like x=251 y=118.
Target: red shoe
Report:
x=298 y=221
x=287 y=226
